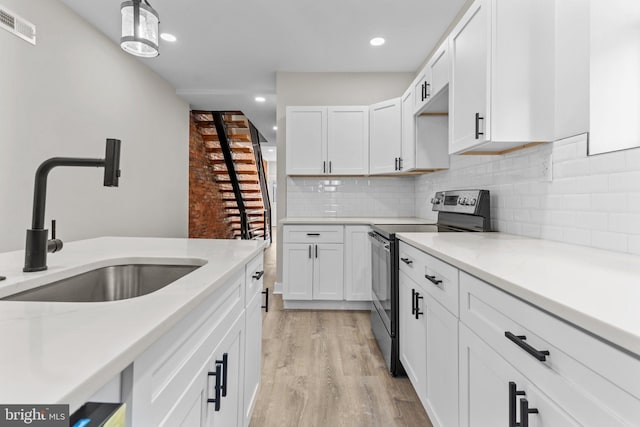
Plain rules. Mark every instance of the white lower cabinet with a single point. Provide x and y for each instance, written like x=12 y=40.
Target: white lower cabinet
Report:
x=198 y=374
x=357 y=265
x=413 y=334
x=485 y=396
x=297 y=265
x=442 y=364
x=470 y=343
x=328 y=273
x=428 y=351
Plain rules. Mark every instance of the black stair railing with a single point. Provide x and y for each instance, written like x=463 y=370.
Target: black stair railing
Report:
x=233 y=176
x=262 y=177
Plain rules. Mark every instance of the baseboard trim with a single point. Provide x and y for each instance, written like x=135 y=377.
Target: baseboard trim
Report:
x=277 y=288
x=326 y=305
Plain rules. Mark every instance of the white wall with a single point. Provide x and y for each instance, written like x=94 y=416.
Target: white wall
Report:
x=592 y=201
x=64 y=97
x=325 y=89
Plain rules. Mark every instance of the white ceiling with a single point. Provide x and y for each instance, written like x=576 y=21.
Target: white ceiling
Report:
x=228 y=51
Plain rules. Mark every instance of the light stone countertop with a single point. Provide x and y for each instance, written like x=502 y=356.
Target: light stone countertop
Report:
x=60 y=352
x=354 y=220
x=597 y=290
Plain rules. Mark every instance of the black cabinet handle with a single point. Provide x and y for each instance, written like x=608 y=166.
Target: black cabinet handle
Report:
x=313 y=234
x=399 y=163
x=433 y=279
x=225 y=364
x=418 y=298
x=2 y=278
x=424 y=91
x=519 y=340
x=513 y=392
x=406 y=261
x=309 y=251
x=316 y=250
x=217 y=388
x=266 y=300
x=324 y=166
x=478 y=118
x=413 y=302
x=329 y=166
x=258 y=275
x=396 y=168
x=525 y=411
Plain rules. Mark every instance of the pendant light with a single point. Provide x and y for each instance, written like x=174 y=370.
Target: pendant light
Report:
x=139 y=28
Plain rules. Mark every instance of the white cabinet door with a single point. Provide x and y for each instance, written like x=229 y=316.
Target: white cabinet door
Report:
x=484 y=390
x=192 y=408
x=230 y=413
x=306 y=136
x=413 y=334
x=385 y=136
x=297 y=271
x=470 y=67
x=408 y=151
x=348 y=141
x=253 y=355
x=439 y=70
x=357 y=268
x=442 y=364
x=328 y=271
x=421 y=89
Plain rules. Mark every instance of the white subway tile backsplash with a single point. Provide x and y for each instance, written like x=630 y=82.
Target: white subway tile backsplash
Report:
x=349 y=197
x=591 y=200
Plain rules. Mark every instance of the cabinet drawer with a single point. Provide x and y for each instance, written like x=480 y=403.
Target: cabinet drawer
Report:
x=254 y=277
x=439 y=278
x=314 y=234
x=593 y=381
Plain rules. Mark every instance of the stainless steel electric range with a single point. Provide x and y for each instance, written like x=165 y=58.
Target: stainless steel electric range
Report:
x=458 y=211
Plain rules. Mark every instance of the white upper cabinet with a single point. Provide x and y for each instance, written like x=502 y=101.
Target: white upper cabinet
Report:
x=306 y=140
x=328 y=140
x=348 y=142
x=502 y=73
x=385 y=137
x=439 y=70
x=408 y=136
x=432 y=79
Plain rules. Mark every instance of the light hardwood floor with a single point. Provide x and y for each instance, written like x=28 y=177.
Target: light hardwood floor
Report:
x=324 y=368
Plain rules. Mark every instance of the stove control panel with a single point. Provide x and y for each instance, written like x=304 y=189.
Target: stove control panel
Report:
x=459 y=201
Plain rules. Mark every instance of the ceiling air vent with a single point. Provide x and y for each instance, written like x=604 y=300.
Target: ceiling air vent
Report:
x=18 y=26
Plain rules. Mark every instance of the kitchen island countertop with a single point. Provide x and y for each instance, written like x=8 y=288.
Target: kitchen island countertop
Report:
x=63 y=352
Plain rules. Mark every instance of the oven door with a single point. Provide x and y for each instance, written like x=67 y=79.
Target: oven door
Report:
x=381 y=278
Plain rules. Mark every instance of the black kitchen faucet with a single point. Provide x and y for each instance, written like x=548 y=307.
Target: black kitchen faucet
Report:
x=38 y=242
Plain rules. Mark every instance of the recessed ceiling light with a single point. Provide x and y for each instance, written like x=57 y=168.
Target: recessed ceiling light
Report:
x=168 y=37
x=377 y=41
x=260 y=99
x=275 y=128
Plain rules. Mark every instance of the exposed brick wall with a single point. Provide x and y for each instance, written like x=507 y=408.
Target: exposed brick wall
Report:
x=206 y=209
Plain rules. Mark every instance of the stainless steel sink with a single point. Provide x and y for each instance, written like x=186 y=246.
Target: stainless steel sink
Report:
x=111 y=283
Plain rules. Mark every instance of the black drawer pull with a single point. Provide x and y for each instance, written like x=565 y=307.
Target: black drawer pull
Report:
x=519 y=340
x=413 y=302
x=418 y=312
x=406 y=261
x=513 y=392
x=266 y=300
x=313 y=234
x=224 y=363
x=433 y=279
x=524 y=412
x=258 y=275
x=217 y=388
x=478 y=118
